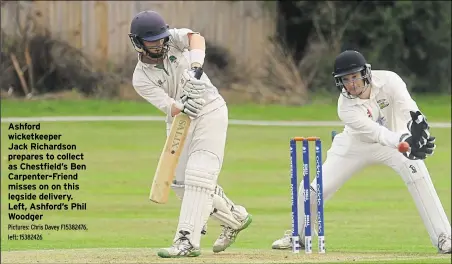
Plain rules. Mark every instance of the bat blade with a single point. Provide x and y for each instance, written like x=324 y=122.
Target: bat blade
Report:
x=166 y=168
x=169 y=158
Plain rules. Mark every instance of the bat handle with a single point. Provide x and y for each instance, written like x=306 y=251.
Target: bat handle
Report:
x=198 y=73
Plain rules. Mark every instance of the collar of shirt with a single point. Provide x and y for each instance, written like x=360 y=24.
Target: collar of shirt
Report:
x=150 y=66
x=375 y=87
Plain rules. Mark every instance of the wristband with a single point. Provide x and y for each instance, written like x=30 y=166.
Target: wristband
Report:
x=197 y=57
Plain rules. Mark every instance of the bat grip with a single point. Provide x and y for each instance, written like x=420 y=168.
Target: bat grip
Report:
x=198 y=73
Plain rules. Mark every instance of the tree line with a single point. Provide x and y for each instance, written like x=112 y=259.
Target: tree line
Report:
x=412 y=38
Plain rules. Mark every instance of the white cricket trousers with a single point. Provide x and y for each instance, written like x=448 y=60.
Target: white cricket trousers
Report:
x=206 y=133
x=348 y=155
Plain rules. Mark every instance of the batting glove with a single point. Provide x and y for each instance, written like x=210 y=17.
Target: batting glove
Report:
x=191 y=107
x=194 y=106
x=192 y=87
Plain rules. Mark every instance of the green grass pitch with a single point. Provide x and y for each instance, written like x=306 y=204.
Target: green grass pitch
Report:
x=371 y=218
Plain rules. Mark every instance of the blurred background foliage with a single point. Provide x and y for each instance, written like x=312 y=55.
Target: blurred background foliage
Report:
x=412 y=38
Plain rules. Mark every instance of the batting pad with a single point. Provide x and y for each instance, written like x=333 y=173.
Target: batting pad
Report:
x=200 y=180
x=422 y=190
x=226 y=212
x=195 y=211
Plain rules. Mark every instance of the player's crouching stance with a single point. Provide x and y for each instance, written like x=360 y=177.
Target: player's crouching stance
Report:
x=378 y=114
x=164 y=76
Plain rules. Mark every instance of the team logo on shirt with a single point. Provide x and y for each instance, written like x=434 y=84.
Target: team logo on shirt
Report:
x=382 y=103
x=161 y=83
x=172 y=58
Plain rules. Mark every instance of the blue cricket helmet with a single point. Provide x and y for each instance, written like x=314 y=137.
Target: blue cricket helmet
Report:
x=149 y=26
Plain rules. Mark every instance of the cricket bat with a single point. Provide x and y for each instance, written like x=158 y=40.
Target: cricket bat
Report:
x=166 y=167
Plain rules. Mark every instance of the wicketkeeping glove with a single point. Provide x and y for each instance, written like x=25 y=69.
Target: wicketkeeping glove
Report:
x=418 y=128
x=415 y=152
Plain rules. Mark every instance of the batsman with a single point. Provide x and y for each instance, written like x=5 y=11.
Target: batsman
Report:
x=165 y=76
x=378 y=115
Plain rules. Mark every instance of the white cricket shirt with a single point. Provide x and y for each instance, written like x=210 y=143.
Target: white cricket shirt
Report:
x=383 y=118
x=161 y=86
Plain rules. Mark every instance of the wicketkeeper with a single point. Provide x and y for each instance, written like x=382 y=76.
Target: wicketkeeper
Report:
x=379 y=113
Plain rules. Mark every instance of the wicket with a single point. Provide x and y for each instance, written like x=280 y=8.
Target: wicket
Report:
x=306 y=192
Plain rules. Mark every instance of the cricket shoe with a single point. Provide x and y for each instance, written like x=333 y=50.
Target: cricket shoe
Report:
x=286 y=241
x=181 y=247
x=444 y=244
x=228 y=235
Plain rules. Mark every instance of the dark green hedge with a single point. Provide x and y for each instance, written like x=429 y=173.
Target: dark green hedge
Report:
x=412 y=38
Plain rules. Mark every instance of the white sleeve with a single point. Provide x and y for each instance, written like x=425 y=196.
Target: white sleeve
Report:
x=180 y=37
x=153 y=94
x=403 y=103
x=367 y=129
